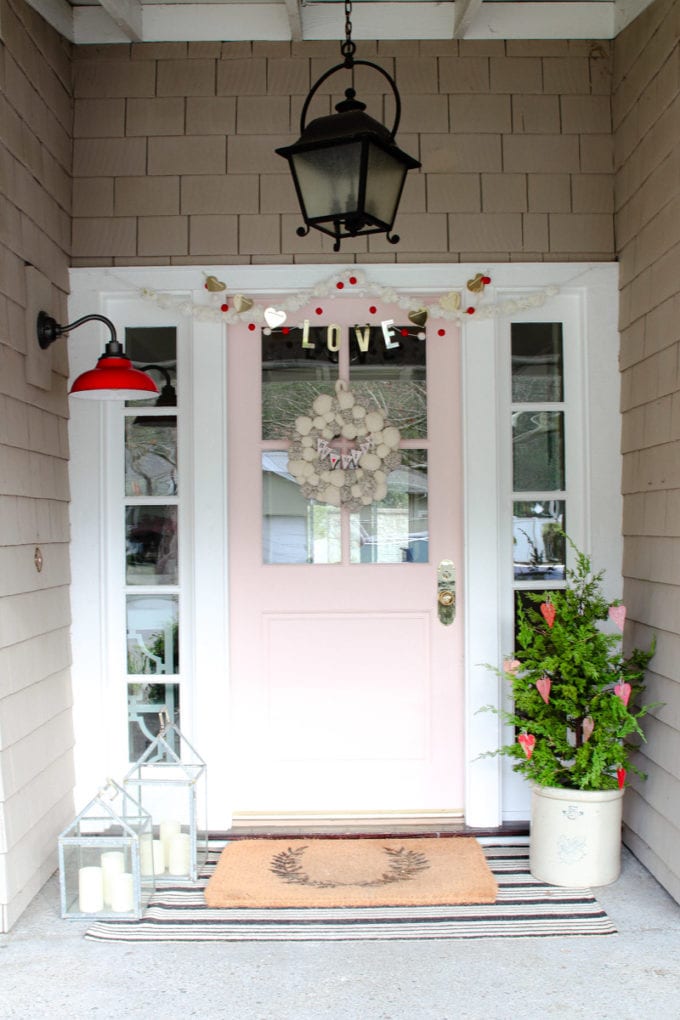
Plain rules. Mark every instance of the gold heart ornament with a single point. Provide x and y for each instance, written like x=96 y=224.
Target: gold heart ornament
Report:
x=451 y=301
x=476 y=284
x=418 y=317
x=213 y=284
x=242 y=303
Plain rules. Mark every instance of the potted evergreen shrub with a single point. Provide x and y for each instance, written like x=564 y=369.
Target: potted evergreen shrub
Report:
x=575 y=709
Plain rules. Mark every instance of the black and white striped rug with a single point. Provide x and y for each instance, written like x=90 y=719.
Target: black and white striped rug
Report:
x=525 y=907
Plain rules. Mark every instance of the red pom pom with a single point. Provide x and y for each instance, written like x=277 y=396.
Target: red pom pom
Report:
x=404 y=332
x=352 y=280
x=470 y=310
x=319 y=311
x=373 y=309
x=224 y=308
x=486 y=279
x=251 y=326
x=441 y=332
x=285 y=330
x=339 y=285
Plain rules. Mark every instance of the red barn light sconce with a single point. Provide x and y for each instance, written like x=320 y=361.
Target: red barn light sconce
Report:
x=113 y=377
x=347 y=169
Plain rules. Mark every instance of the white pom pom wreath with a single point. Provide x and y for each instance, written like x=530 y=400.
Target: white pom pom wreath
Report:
x=352 y=475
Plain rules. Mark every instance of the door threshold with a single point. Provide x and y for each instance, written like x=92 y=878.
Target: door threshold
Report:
x=355 y=826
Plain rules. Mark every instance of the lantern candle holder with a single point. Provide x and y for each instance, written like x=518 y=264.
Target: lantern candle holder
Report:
x=106 y=865
x=169 y=780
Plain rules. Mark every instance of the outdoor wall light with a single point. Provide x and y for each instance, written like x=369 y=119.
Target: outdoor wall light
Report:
x=348 y=172
x=113 y=377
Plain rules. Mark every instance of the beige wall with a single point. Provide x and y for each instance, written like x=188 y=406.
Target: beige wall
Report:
x=646 y=105
x=174 y=151
x=36 y=771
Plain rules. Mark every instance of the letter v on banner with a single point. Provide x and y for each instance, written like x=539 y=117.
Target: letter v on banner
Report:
x=363 y=338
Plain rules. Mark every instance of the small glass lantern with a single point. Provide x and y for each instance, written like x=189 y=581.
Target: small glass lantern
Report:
x=106 y=863
x=169 y=780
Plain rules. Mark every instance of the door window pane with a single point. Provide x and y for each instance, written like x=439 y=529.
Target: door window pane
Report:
x=538 y=450
x=150 y=456
x=153 y=349
x=389 y=372
x=395 y=530
x=151 y=544
x=295 y=529
x=537 y=369
x=297 y=366
x=538 y=539
x=146 y=702
x=152 y=634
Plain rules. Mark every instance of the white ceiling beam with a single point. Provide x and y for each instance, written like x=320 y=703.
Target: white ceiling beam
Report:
x=295 y=19
x=127 y=14
x=58 y=14
x=464 y=14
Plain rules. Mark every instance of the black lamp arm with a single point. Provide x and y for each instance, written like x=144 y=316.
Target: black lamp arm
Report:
x=49 y=330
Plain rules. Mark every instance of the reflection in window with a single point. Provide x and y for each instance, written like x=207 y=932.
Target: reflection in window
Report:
x=152 y=634
x=537 y=369
x=154 y=350
x=395 y=530
x=149 y=706
x=150 y=457
x=538 y=539
x=391 y=375
x=295 y=529
x=293 y=375
x=151 y=544
x=538 y=450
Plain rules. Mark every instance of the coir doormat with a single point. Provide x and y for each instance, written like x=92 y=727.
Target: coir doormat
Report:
x=524 y=908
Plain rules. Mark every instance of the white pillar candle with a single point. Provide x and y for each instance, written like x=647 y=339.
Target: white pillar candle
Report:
x=168 y=828
x=146 y=854
x=90 y=890
x=113 y=862
x=179 y=859
x=122 y=892
x=158 y=857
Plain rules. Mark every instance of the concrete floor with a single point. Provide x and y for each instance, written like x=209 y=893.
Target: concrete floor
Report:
x=47 y=969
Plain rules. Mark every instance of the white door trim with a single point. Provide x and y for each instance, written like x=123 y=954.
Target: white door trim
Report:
x=594 y=285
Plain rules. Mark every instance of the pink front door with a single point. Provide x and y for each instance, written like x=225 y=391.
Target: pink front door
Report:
x=347 y=689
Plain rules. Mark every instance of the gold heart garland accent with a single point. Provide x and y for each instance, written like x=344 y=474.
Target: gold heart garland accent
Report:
x=213 y=284
x=451 y=301
x=476 y=284
x=418 y=317
x=242 y=303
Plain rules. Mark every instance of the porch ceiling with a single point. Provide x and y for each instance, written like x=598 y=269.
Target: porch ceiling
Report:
x=121 y=21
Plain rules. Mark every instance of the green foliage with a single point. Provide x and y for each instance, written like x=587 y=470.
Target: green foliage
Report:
x=582 y=731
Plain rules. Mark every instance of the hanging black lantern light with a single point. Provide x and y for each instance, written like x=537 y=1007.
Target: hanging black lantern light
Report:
x=347 y=169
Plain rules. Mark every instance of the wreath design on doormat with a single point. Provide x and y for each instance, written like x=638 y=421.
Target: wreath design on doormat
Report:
x=403 y=866
x=355 y=474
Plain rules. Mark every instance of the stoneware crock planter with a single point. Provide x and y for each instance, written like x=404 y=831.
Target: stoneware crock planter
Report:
x=575 y=836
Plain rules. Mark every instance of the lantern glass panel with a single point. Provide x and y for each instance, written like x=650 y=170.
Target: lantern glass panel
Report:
x=384 y=181
x=329 y=179
x=105 y=861
x=169 y=780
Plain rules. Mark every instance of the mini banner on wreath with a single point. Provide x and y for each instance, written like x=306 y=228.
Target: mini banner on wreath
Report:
x=353 y=473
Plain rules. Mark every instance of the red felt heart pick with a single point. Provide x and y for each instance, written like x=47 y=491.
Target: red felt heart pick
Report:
x=543 y=687
x=623 y=691
x=548 y=612
x=621 y=778
x=528 y=742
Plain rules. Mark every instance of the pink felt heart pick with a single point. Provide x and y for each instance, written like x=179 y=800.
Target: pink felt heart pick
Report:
x=588 y=727
x=528 y=742
x=543 y=687
x=623 y=691
x=548 y=612
x=618 y=615
x=511 y=666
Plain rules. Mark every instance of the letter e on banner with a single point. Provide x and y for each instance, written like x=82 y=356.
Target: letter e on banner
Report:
x=387 y=333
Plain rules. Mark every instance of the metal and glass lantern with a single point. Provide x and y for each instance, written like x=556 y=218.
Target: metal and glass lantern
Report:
x=169 y=780
x=106 y=865
x=347 y=169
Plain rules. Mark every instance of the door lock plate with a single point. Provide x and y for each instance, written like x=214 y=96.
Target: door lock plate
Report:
x=446 y=592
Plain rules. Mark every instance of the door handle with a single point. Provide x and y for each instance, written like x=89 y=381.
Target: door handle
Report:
x=446 y=592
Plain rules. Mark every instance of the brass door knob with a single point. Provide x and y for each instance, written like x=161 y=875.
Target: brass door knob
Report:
x=446 y=597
